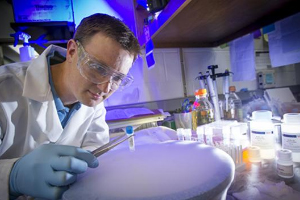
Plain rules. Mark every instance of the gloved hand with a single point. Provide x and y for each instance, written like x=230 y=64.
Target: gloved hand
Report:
x=47 y=171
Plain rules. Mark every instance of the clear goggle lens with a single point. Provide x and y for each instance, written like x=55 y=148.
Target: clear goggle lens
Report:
x=99 y=73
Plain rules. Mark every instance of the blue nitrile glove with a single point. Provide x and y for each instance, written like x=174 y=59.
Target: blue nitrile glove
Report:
x=47 y=171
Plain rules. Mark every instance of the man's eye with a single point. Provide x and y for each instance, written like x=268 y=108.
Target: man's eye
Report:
x=99 y=69
x=102 y=71
x=117 y=79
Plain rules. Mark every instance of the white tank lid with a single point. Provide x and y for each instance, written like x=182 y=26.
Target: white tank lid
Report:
x=262 y=115
x=291 y=118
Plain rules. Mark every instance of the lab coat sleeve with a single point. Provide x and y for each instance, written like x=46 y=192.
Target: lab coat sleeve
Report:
x=98 y=132
x=5 y=168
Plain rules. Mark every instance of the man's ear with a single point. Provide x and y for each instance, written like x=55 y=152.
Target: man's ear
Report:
x=71 y=50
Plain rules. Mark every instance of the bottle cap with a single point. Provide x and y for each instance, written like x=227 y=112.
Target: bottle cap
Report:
x=202 y=92
x=232 y=89
x=291 y=118
x=262 y=115
x=129 y=129
x=254 y=154
x=284 y=155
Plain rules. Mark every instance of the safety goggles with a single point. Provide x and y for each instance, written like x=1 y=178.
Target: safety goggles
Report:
x=98 y=73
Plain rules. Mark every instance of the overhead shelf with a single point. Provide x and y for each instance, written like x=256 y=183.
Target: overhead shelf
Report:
x=210 y=23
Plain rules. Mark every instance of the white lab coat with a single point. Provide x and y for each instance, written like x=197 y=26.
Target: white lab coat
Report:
x=28 y=116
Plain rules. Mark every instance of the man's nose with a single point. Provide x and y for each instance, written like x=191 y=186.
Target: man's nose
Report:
x=105 y=87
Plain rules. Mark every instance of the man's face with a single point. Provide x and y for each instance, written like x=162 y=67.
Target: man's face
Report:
x=96 y=76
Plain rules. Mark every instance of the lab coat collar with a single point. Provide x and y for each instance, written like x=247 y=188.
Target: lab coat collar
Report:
x=37 y=88
x=36 y=85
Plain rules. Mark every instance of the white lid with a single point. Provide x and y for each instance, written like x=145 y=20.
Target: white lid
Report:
x=262 y=115
x=291 y=118
x=180 y=131
x=284 y=154
x=254 y=154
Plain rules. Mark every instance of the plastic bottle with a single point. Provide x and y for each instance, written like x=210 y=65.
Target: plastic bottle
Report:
x=284 y=163
x=129 y=132
x=235 y=107
x=262 y=133
x=203 y=112
x=290 y=129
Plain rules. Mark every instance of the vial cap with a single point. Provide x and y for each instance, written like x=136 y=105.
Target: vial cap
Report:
x=291 y=118
x=254 y=154
x=129 y=129
x=262 y=115
x=284 y=154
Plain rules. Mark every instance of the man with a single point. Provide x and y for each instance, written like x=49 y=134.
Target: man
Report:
x=52 y=113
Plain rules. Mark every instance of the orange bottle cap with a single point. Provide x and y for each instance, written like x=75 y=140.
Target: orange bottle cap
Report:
x=232 y=89
x=202 y=92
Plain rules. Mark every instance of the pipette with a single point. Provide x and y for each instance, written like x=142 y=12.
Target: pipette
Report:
x=213 y=95
x=201 y=81
x=226 y=88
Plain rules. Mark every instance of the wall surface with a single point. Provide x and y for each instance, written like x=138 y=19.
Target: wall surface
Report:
x=162 y=86
x=119 y=8
x=162 y=82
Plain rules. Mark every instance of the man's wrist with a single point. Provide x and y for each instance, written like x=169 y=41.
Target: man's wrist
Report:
x=13 y=194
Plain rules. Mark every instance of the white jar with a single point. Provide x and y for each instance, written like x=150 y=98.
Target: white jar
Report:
x=262 y=133
x=290 y=130
x=285 y=167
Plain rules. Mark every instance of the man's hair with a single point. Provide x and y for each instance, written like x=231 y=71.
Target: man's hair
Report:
x=111 y=27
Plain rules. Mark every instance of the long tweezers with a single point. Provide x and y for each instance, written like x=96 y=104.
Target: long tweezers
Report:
x=113 y=143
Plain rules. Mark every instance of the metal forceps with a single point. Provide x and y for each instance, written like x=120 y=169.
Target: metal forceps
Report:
x=113 y=143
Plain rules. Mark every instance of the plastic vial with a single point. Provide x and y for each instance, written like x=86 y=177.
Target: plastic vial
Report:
x=129 y=132
x=180 y=134
x=200 y=134
x=290 y=129
x=254 y=154
x=262 y=133
x=203 y=110
x=188 y=134
x=284 y=163
x=235 y=107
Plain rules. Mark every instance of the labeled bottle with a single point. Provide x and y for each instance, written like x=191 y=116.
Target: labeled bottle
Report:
x=203 y=111
x=285 y=168
x=290 y=130
x=234 y=110
x=262 y=133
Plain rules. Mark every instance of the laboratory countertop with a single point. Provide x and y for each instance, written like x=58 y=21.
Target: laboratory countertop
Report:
x=248 y=183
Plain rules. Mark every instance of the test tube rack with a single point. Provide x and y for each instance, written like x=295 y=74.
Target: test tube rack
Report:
x=235 y=152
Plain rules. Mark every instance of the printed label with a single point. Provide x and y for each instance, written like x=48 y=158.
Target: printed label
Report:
x=263 y=139
x=291 y=141
x=283 y=170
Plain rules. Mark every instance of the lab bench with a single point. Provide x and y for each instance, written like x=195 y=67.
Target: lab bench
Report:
x=263 y=174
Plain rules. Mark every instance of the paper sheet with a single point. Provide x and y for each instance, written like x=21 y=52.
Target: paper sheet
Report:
x=268 y=191
x=242 y=58
x=126 y=113
x=284 y=42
